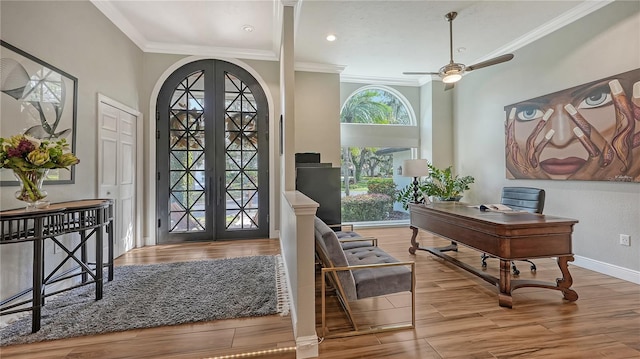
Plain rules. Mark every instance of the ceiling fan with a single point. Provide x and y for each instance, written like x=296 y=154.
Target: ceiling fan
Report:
x=453 y=71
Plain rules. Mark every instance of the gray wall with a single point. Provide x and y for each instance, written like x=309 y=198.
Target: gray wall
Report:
x=602 y=44
x=436 y=125
x=318 y=115
x=76 y=38
x=101 y=57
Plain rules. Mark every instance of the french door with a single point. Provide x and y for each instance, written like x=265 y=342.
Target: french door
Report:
x=212 y=154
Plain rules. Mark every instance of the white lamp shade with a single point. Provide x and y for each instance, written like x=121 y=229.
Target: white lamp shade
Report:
x=415 y=168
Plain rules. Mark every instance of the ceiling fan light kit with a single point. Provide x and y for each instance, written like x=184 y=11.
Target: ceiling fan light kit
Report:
x=453 y=71
x=451 y=78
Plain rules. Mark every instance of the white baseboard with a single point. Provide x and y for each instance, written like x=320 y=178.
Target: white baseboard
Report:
x=307 y=347
x=148 y=241
x=608 y=269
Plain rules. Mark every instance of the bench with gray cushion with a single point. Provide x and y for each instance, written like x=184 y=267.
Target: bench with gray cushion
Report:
x=347 y=237
x=360 y=272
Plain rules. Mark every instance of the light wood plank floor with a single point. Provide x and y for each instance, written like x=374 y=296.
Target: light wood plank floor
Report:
x=457 y=315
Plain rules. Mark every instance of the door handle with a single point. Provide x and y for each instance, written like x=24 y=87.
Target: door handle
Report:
x=220 y=194
x=209 y=190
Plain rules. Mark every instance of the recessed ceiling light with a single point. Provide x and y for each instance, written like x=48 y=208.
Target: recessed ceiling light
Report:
x=331 y=37
x=247 y=28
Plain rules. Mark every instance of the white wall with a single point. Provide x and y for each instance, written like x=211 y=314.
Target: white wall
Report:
x=601 y=44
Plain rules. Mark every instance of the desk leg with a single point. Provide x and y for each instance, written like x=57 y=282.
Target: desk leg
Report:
x=504 y=297
x=414 y=244
x=564 y=283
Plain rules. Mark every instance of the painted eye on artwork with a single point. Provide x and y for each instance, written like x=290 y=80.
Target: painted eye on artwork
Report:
x=597 y=98
x=529 y=113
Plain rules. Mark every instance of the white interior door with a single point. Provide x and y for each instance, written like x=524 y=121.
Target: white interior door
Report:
x=117 y=169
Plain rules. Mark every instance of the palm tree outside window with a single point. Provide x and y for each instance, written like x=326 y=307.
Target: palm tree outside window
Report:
x=370 y=162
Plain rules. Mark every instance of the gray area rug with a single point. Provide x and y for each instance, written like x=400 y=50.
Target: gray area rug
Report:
x=144 y=296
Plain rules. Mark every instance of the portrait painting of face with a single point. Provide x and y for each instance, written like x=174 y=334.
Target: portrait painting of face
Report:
x=588 y=132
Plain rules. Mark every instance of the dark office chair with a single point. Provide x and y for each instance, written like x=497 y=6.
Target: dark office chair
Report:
x=521 y=199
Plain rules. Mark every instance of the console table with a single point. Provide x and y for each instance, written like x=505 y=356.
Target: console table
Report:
x=506 y=236
x=89 y=218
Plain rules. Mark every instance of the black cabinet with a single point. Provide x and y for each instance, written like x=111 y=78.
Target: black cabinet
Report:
x=321 y=184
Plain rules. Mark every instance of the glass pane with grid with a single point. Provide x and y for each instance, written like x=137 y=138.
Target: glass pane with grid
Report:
x=187 y=183
x=241 y=155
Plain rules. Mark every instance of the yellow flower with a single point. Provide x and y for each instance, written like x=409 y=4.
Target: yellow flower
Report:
x=67 y=159
x=14 y=141
x=38 y=157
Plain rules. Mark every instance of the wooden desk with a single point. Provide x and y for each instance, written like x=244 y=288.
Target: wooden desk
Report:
x=507 y=236
x=89 y=218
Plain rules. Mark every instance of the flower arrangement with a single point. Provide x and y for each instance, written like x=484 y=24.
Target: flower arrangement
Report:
x=440 y=183
x=30 y=159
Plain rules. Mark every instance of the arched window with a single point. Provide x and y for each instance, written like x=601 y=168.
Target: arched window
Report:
x=377 y=105
x=378 y=132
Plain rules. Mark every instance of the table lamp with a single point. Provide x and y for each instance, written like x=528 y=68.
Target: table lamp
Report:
x=415 y=168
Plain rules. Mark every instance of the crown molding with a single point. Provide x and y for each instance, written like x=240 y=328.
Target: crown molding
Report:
x=392 y=81
x=576 y=13
x=423 y=80
x=228 y=52
x=120 y=22
x=317 y=67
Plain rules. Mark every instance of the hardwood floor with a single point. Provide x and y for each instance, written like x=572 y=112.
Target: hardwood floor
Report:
x=198 y=340
x=457 y=315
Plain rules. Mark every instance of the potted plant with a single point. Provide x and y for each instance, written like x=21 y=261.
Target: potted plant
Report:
x=441 y=184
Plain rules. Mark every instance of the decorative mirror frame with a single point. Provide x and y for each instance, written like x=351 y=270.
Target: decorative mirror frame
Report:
x=17 y=67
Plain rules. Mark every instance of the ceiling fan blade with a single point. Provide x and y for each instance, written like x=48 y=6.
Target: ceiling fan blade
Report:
x=420 y=73
x=493 y=61
x=448 y=86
